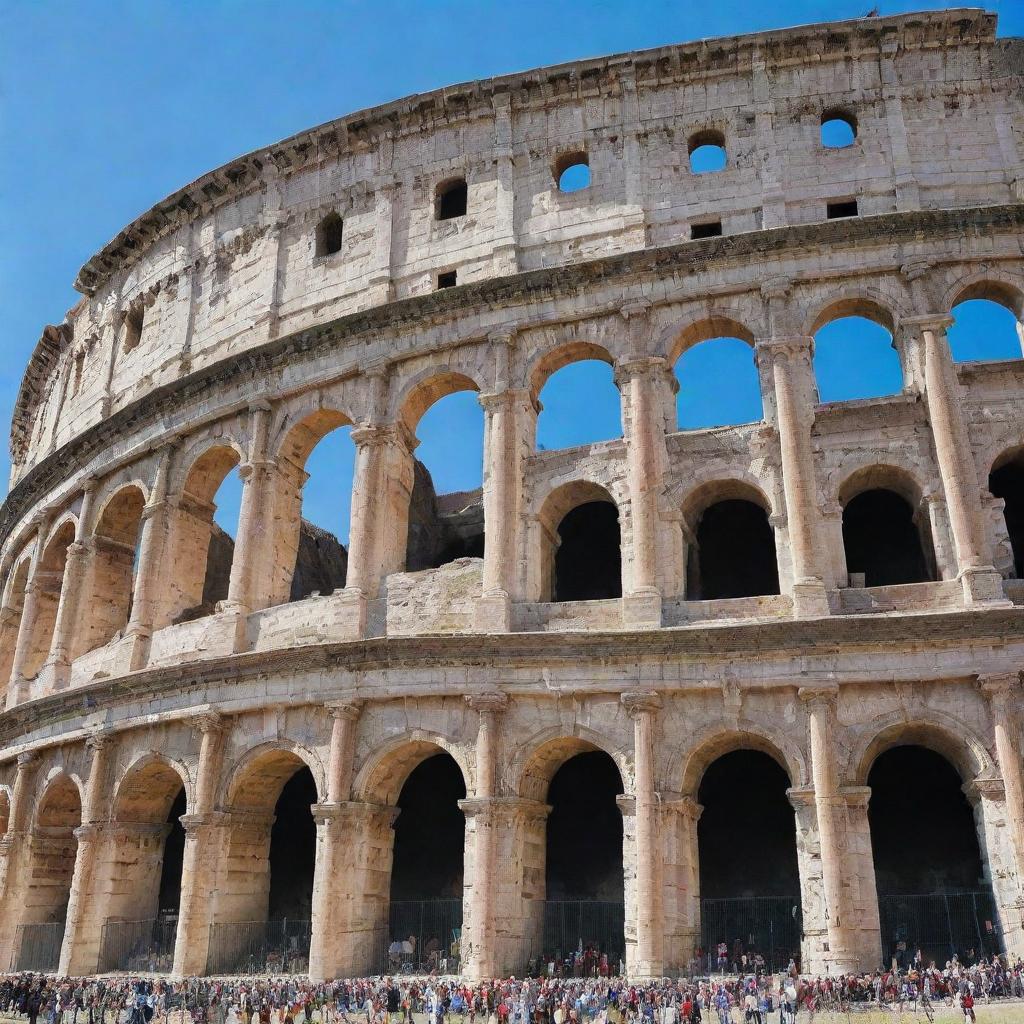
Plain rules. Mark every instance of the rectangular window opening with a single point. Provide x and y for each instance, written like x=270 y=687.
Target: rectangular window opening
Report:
x=843 y=208
x=447 y=279
x=710 y=230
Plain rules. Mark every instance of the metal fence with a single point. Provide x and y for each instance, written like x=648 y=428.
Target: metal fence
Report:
x=38 y=946
x=940 y=924
x=422 y=935
x=259 y=947
x=769 y=925
x=577 y=933
x=138 y=946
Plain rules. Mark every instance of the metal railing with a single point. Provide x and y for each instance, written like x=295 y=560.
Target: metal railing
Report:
x=259 y=947
x=422 y=936
x=578 y=934
x=38 y=946
x=940 y=924
x=766 y=925
x=138 y=946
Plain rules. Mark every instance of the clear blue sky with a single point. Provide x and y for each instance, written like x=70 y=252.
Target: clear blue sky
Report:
x=107 y=107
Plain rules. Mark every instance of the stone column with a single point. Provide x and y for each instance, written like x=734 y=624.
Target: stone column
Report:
x=1003 y=694
x=203 y=852
x=147 y=575
x=978 y=577
x=329 y=955
x=79 y=954
x=18 y=689
x=648 y=906
x=479 y=944
x=14 y=853
x=64 y=646
x=819 y=704
x=681 y=884
x=907 y=192
x=792 y=382
x=505 y=257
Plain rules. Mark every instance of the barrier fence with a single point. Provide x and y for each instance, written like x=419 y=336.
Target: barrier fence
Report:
x=769 y=925
x=422 y=935
x=576 y=934
x=138 y=945
x=38 y=946
x=259 y=947
x=940 y=924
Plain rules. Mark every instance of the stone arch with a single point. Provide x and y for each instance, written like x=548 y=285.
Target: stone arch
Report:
x=59 y=803
x=996 y=286
x=934 y=730
x=869 y=303
x=557 y=504
x=704 y=493
x=1004 y=480
x=549 y=362
x=147 y=789
x=16 y=579
x=5 y=808
x=380 y=778
x=256 y=778
x=10 y=615
x=540 y=757
x=903 y=479
x=428 y=387
x=746 y=736
x=681 y=336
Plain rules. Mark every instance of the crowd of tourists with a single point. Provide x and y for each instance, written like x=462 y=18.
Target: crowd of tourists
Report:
x=754 y=999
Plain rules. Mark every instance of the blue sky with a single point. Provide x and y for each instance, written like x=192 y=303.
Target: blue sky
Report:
x=107 y=107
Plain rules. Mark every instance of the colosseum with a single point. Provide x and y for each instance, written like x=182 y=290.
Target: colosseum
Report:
x=696 y=684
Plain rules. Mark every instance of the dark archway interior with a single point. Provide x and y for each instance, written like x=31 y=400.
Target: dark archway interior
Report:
x=293 y=850
x=584 y=830
x=746 y=833
x=174 y=856
x=921 y=844
x=882 y=541
x=1007 y=482
x=734 y=555
x=588 y=562
x=430 y=832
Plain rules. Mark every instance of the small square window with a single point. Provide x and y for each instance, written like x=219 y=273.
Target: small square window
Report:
x=843 y=208
x=447 y=280
x=712 y=229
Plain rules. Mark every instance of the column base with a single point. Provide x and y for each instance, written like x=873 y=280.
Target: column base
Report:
x=983 y=585
x=350 y=621
x=810 y=600
x=56 y=673
x=139 y=639
x=494 y=613
x=642 y=609
x=236 y=619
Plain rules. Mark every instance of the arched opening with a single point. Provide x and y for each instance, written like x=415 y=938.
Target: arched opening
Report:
x=205 y=526
x=749 y=878
x=446 y=519
x=579 y=402
x=718 y=385
x=43 y=901
x=116 y=545
x=584 y=917
x=883 y=541
x=933 y=893
x=733 y=551
x=50 y=580
x=838 y=129
x=425 y=895
x=580 y=555
x=142 y=886
x=707 y=152
x=451 y=199
x=316 y=465
x=984 y=328
x=10 y=622
x=854 y=358
x=263 y=913
x=1006 y=481
x=329 y=233
x=572 y=172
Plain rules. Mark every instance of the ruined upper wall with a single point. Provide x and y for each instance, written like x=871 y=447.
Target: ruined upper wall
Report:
x=230 y=261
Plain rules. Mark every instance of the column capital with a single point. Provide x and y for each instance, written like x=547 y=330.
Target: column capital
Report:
x=484 y=702
x=785 y=345
x=348 y=709
x=502 y=336
x=210 y=722
x=856 y=796
x=260 y=405
x=27 y=759
x=687 y=806
x=639 y=366
x=776 y=288
x=937 y=322
x=823 y=693
x=637 y=308
x=1000 y=688
x=991 y=789
x=639 y=702
x=99 y=740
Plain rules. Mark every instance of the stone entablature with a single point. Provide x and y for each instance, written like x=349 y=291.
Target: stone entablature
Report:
x=231 y=261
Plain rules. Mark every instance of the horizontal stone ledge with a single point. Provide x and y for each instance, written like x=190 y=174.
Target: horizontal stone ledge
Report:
x=687 y=258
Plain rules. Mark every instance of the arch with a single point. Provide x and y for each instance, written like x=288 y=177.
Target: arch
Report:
x=1004 y=289
x=5 y=809
x=719 y=385
x=1006 y=481
x=749 y=736
x=255 y=780
x=986 y=324
x=707 y=151
x=429 y=387
x=14 y=586
x=50 y=582
x=451 y=199
x=935 y=731
x=10 y=623
x=881 y=476
x=676 y=339
x=863 y=302
x=833 y=122
x=147 y=789
x=381 y=777
x=735 y=486
x=539 y=758
x=572 y=171
x=549 y=363
x=60 y=803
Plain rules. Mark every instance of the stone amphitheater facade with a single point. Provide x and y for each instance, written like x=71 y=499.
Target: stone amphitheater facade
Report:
x=215 y=331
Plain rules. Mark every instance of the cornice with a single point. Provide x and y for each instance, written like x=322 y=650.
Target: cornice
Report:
x=701 y=59
x=683 y=259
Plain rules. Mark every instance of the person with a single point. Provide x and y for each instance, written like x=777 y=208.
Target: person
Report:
x=967 y=1005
